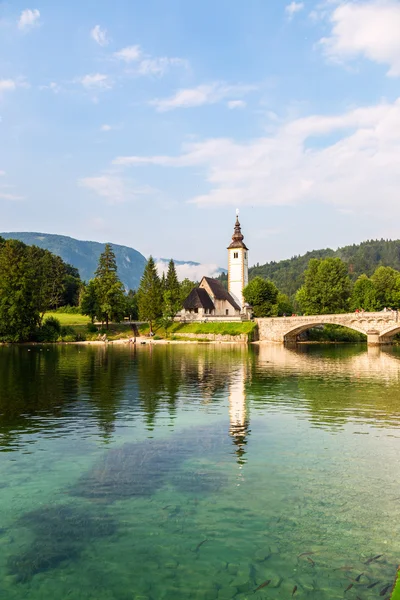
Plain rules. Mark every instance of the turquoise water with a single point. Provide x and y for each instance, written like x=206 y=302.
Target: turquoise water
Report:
x=176 y=472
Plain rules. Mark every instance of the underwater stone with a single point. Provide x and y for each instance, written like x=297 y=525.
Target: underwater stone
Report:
x=60 y=534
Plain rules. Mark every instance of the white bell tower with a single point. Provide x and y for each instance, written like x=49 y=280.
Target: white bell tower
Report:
x=238 y=265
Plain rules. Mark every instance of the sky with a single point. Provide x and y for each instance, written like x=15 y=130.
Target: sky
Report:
x=149 y=123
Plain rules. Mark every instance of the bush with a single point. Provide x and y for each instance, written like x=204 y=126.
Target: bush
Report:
x=50 y=330
x=92 y=328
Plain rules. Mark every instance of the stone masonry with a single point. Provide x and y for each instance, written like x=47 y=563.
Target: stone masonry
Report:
x=378 y=327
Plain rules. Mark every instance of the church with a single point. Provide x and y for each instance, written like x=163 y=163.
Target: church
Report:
x=210 y=301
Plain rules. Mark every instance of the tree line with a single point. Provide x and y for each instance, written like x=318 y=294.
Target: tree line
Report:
x=32 y=282
x=327 y=288
x=157 y=298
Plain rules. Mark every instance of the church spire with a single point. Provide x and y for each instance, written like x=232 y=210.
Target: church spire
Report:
x=238 y=237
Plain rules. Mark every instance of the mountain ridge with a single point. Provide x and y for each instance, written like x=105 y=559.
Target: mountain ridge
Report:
x=364 y=257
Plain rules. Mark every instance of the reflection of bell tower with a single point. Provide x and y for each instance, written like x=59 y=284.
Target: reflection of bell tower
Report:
x=238 y=413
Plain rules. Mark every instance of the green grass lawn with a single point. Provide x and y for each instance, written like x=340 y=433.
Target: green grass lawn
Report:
x=231 y=328
x=67 y=319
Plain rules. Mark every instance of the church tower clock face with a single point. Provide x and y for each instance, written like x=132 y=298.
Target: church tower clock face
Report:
x=238 y=264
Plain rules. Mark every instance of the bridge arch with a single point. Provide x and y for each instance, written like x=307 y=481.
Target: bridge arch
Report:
x=292 y=334
x=387 y=334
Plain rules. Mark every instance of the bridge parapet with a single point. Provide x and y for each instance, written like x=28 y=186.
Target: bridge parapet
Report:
x=379 y=327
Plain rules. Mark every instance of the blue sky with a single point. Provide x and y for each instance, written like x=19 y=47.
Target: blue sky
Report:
x=149 y=123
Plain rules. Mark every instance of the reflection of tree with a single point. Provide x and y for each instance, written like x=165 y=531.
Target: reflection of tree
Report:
x=31 y=387
x=104 y=372
x=333 y=384
x=40 y=385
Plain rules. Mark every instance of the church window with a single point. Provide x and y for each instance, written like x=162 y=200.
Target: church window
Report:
x=196 y=310
x=227 y=312
x=245 y=254
x=236 y=255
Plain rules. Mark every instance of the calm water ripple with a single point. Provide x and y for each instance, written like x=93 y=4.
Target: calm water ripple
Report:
x=176 y=472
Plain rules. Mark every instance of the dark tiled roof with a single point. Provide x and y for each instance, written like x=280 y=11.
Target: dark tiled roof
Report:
x=220 y=293
x=237 y=238
x=198 y=298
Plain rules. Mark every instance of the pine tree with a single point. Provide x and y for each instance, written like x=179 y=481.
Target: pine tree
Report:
x=109 y=288
x=150 y=294
x=173 y=288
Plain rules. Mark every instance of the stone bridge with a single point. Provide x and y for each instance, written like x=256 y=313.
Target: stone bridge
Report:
x=378 y=327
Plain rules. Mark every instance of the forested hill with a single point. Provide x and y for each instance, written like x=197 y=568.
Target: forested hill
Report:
x=85 y=255
x=361 y=258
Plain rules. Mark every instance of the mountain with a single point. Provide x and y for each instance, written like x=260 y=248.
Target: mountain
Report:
x=361 y=258
x=85 y=255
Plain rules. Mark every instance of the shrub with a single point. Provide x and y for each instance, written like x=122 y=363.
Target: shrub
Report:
x=50 y=330
x=92 y=328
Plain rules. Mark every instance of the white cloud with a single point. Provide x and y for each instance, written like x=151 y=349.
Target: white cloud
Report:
x=203 y=94
x=147 y=65
x=293 y=8
x=7 y=85
x=190 y=271
x=236 y=104
x=129 y=54
x=353 y=165
x=114 y=188
x=96 y=81
x=53 y=87
x=367 y=29
x=29 y=18
x=106 y=127
x=99 y=35
x=8 y=196
x=2 y=173
x=159 y=66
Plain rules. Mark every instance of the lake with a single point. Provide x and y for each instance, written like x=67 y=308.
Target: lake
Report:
x=199 y=471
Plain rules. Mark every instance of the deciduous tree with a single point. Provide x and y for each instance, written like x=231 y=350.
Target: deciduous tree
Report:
x=262 y=295
x=326 y=287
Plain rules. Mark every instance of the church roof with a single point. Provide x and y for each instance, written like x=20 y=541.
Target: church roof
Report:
x=237 y=238
x=220 y=293
x=198 y=298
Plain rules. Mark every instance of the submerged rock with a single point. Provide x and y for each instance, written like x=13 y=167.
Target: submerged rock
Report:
x=141 y=468
x=60 y=534
x=199 y=480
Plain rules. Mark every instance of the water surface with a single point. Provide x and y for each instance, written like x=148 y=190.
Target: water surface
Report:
x=177 y=472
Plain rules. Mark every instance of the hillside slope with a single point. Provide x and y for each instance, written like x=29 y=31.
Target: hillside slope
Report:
x=85 y=255
x=361 y=258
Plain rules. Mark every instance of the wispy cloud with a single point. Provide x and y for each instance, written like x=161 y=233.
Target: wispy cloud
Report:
x=366 y=29
x=113 y=188
x=96 y=81
x=194 y=272
x=293 y=8
x=353 y=166
x=99 y=35
x=236 y=104
x=8 y=196
x=29 y=19
x=106 y=127
x=7 y=85
x=146 y=64
x=52 y=87
x=159 y=66
x=2 y=173
x=129 y=54
x=200 y=95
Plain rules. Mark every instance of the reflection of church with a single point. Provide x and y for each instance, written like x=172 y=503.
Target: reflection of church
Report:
x=210 y=301
x=238 y=412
